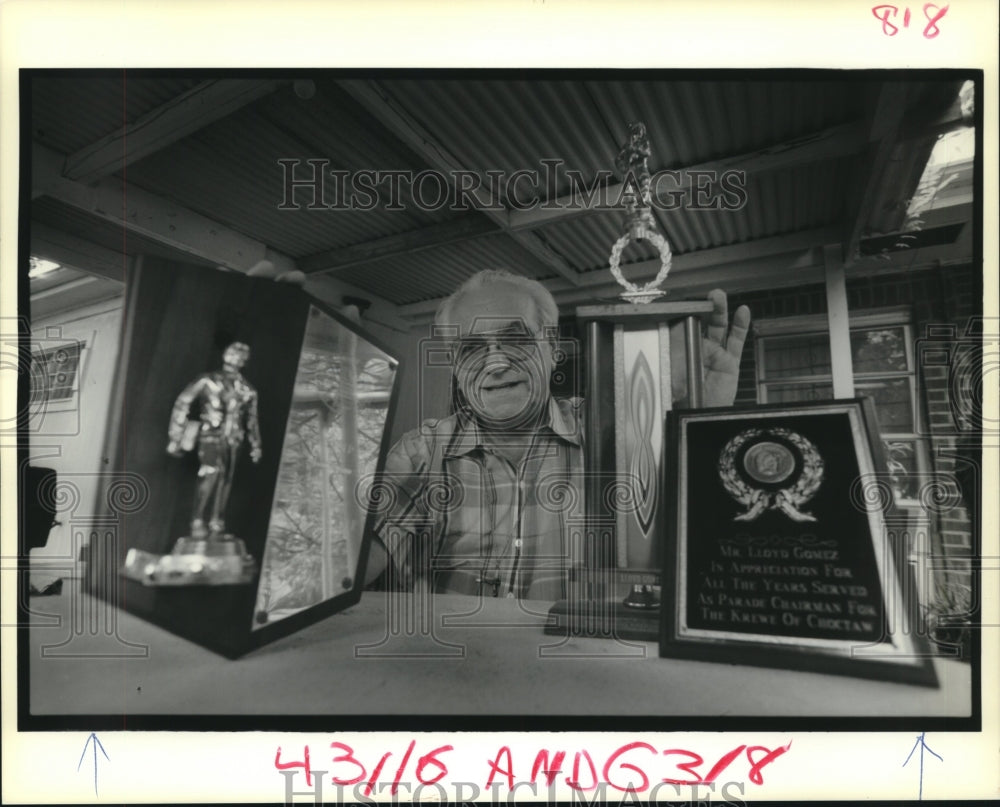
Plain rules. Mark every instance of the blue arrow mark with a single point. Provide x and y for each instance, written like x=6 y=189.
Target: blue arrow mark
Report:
x=920 y=742
x=97 y=744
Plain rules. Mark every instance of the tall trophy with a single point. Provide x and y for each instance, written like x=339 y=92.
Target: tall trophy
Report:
x=628 y=391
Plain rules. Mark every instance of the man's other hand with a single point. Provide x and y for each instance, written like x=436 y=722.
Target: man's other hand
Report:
x=721 y=349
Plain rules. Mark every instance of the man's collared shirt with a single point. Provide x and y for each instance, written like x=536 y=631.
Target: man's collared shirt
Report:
x=457 y=512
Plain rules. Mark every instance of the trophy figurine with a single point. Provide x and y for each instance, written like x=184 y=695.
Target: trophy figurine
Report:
x=227 y=417
x=215 y=414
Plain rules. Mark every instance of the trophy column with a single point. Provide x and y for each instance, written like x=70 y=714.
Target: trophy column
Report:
x=628 y=394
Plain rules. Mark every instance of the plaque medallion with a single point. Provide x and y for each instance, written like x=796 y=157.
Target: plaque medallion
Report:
x=769 y=462
x=771 y=469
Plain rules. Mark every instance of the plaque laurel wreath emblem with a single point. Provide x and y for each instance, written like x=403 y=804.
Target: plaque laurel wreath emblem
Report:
x=754 y=464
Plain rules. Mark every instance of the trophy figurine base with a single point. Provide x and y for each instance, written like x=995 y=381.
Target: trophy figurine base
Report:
x=220 y=560
x=641 y=296
x=642 y=598
x=602 y=611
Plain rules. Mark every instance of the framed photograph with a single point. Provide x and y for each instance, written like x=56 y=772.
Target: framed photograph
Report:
x=781 y=547
x=55 y=377
x=249 y=422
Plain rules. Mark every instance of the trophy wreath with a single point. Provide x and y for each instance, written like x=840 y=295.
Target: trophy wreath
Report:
x=633 y=163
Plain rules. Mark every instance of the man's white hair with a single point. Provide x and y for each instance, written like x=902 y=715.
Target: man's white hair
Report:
x=546 y=309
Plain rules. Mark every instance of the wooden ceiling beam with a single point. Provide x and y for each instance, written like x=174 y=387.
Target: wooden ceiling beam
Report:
x=766 y=272
x=598 y=283
x=185 y=231
x=437 y=155
x=177 y=118
x=77 y=253
x=791 y=269
x=147 y=214
x=773 y=271
x=869 y=174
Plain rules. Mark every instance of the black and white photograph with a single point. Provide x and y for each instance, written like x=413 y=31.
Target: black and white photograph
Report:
x=495 y=400
x=405 y=342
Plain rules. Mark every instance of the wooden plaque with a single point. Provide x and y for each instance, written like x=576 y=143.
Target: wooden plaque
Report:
x=777 y=549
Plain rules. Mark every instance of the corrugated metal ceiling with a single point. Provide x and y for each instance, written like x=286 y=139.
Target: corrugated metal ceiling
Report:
x=513 y=125
x=69 y=112
x=438 y=272
x=228 y=171
x=779 y=202
x=225 y=173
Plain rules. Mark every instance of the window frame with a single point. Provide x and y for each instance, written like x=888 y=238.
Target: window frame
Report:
x=813 y=324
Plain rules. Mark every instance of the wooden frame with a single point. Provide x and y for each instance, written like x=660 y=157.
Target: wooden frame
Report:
x=797 y=563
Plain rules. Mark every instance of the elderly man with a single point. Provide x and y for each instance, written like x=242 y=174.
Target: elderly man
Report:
x=465 y=511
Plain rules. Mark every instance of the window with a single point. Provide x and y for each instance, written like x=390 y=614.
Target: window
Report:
x=793 y=364
x=55 y=375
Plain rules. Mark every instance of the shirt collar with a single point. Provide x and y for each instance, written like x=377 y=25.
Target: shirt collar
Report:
x=563 y=421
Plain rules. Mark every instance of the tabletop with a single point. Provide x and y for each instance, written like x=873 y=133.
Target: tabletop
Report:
x=458 y=656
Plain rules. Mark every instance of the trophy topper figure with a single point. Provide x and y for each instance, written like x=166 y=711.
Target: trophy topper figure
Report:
x=633 y=164
x=217 y=413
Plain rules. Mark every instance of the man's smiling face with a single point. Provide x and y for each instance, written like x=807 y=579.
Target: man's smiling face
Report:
x=502 y=360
